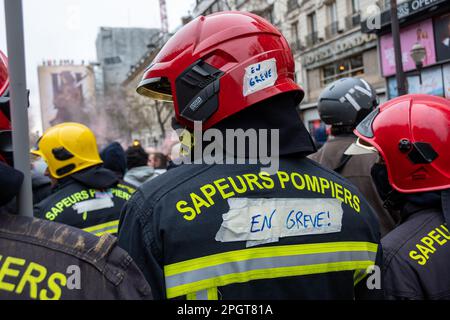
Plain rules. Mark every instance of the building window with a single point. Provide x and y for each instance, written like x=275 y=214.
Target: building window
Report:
x=332 y=12
x=312 y=38
x=349 y=67
x=354 y=18
x=295 y=44
x=332 y=29
x=355 y=6
x=266 y=14
x=292 y=5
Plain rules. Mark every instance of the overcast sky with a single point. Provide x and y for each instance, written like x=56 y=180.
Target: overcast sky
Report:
x=67 y=29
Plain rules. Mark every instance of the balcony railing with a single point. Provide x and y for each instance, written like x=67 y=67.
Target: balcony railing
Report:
x=353 y=20
x=331 y=30
x=296 y=45
x=312 y=39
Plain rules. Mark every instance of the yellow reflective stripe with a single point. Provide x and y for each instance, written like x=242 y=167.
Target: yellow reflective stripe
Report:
x=266 y=274
x=212 y=294
x=108 y=227
x=112 y=231
x=191 y=296
x=208 y=294
x=358 y=276
x=266 y=252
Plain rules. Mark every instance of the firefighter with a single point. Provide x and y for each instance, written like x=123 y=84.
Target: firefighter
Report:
x=247 y=229
x=343 y=104
x=411 y=134
x=85 y=195
x=45 y=260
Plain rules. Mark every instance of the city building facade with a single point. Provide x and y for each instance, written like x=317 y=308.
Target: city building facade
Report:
x=425 y=37
x=328 y=44
x=117 y=50
x=151 y=119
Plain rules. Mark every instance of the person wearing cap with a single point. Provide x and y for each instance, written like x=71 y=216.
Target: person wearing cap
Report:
x=343 y=104
x=411 y=134
x=85 y=195
x=114 y=159
x=43 y=260
x=244 y=228
x=138 y=170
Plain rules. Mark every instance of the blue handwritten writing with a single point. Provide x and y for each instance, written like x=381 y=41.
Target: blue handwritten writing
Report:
x=254 y=69
x=263 y=76
x=301 y=220
x=266 y=223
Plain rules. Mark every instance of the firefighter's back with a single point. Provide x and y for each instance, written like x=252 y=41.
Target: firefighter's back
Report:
x=45 y=260
x=238 y=232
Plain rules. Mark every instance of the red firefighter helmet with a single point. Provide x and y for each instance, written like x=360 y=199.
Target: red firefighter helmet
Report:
x=219 y=64
x=412 y=134
x=4 y=77
x=4 y=99
x=5 y=123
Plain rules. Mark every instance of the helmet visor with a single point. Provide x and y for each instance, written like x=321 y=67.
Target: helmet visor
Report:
x=365 y=126
x=156 y=88
x=360 y=147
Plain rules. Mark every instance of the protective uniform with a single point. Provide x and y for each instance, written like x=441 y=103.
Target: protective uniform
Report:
x=343 y=104
x=411 y=134
x=45 y=260
x=238 y=231
x=86 y=195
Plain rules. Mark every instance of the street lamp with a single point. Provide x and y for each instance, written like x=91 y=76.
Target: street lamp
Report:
x=418 y=53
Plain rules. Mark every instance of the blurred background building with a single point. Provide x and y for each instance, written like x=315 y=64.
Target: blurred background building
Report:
x=117 y=50
x=330 y=39
x=425 y=46
x=152 y=119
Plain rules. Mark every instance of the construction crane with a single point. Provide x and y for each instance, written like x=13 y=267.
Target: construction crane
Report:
x=163 y=15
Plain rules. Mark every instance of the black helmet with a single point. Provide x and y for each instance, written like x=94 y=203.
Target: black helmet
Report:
x=346 y=102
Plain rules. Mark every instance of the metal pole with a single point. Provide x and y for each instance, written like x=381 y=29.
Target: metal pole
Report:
x=400 y=75
x=19 y=102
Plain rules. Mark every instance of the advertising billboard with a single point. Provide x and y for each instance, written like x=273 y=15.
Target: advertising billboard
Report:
x=442 y=36
x=432 y=81
x=67 y=94
x=418 y=33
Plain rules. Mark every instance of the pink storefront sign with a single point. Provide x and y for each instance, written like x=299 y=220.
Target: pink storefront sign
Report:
x=418 y=33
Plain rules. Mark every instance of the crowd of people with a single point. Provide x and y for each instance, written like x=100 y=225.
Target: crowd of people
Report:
x=363 y=217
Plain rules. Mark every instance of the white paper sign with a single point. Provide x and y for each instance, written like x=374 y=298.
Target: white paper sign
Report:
x=92 y=205
x=259 y=76
x=264 y=220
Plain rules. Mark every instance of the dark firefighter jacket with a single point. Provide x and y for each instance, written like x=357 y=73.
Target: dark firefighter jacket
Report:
x=417 y=254
x=234 y=231
x=357 y=170
x=90 y=200
x=45 y=260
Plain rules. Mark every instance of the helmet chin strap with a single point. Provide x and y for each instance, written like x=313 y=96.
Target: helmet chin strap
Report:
x=445 y=198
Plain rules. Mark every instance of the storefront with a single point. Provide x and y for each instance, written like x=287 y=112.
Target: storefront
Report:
x=353 y=54
x=425 y=23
